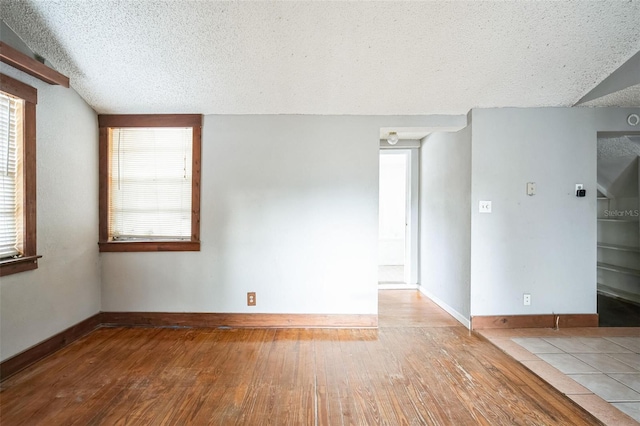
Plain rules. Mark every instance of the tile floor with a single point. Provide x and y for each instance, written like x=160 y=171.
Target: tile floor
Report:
x=596 y=363
x=598 y=368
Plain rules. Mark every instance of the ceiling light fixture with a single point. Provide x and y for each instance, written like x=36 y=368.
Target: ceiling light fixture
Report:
x=392 y=138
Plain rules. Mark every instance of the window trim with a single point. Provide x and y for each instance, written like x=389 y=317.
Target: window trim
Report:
x=29 y=95
x=26 y=64
x=149 y=120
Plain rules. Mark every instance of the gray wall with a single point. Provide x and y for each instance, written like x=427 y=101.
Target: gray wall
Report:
x=445 y=220
x=65 y=289
x=289 y=210
x=546 y=244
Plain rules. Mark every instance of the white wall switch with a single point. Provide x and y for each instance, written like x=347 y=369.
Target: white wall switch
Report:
x=485 y=207
x=526 y=299
x=531 y=188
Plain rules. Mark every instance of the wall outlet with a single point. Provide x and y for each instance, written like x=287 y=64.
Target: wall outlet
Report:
x=251 y=298
x=484 y=206
x=526 y=299
x=579 y=186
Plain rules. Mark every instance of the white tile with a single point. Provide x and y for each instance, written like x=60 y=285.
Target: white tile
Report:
x=567 y=363
x=570 y=345
x=632 y=360
x=537 y=345
x=603 y=345
x=631 y=343
x=607 y=388
x=631 y=380
x=605 y=363
x=631 y=409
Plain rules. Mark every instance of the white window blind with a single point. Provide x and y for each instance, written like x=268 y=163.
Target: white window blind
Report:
x=150 y=183
x=11 y=217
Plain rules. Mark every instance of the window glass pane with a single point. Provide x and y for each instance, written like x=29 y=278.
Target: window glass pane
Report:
x=150 y=183
x=11 y=223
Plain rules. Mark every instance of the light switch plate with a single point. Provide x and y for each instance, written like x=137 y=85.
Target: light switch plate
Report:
x=484 y=207
x=531 y=188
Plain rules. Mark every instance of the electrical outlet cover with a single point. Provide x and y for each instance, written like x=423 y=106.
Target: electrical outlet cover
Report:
x=251 y=299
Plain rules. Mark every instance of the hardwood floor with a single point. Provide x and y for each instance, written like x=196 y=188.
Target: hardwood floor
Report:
x=419 y=367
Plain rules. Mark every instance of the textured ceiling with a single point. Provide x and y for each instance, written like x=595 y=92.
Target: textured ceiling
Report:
x=629 y=97
x=619 y=146
x=328 y=57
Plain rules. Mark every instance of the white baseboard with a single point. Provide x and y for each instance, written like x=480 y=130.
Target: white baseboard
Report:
x=398 y=286
x=457 y=315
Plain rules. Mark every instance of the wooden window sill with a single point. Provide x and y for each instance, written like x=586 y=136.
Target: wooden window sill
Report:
x=129 y=246
x=20 y=264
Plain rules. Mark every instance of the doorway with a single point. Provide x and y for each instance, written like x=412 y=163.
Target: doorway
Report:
x=618 y=244
x=397 y=244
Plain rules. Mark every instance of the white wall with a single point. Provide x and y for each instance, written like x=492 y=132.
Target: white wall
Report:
x=546 y=244
x=289 y=210
x=445 y=220
x=65 y=289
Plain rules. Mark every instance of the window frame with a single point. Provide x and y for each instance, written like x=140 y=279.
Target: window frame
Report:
x=105 y=122
x=29 y=259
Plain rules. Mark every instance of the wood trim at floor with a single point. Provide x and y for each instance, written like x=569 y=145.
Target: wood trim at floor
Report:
x=176 y=319
x=577 y=320
x=47 y=347
x=11 y=366
x=534 y=321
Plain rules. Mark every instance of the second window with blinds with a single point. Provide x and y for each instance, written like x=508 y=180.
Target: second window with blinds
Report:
x=150 y=182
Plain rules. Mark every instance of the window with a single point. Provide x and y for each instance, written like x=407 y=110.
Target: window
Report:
x=17 y=176
x=150 y=182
